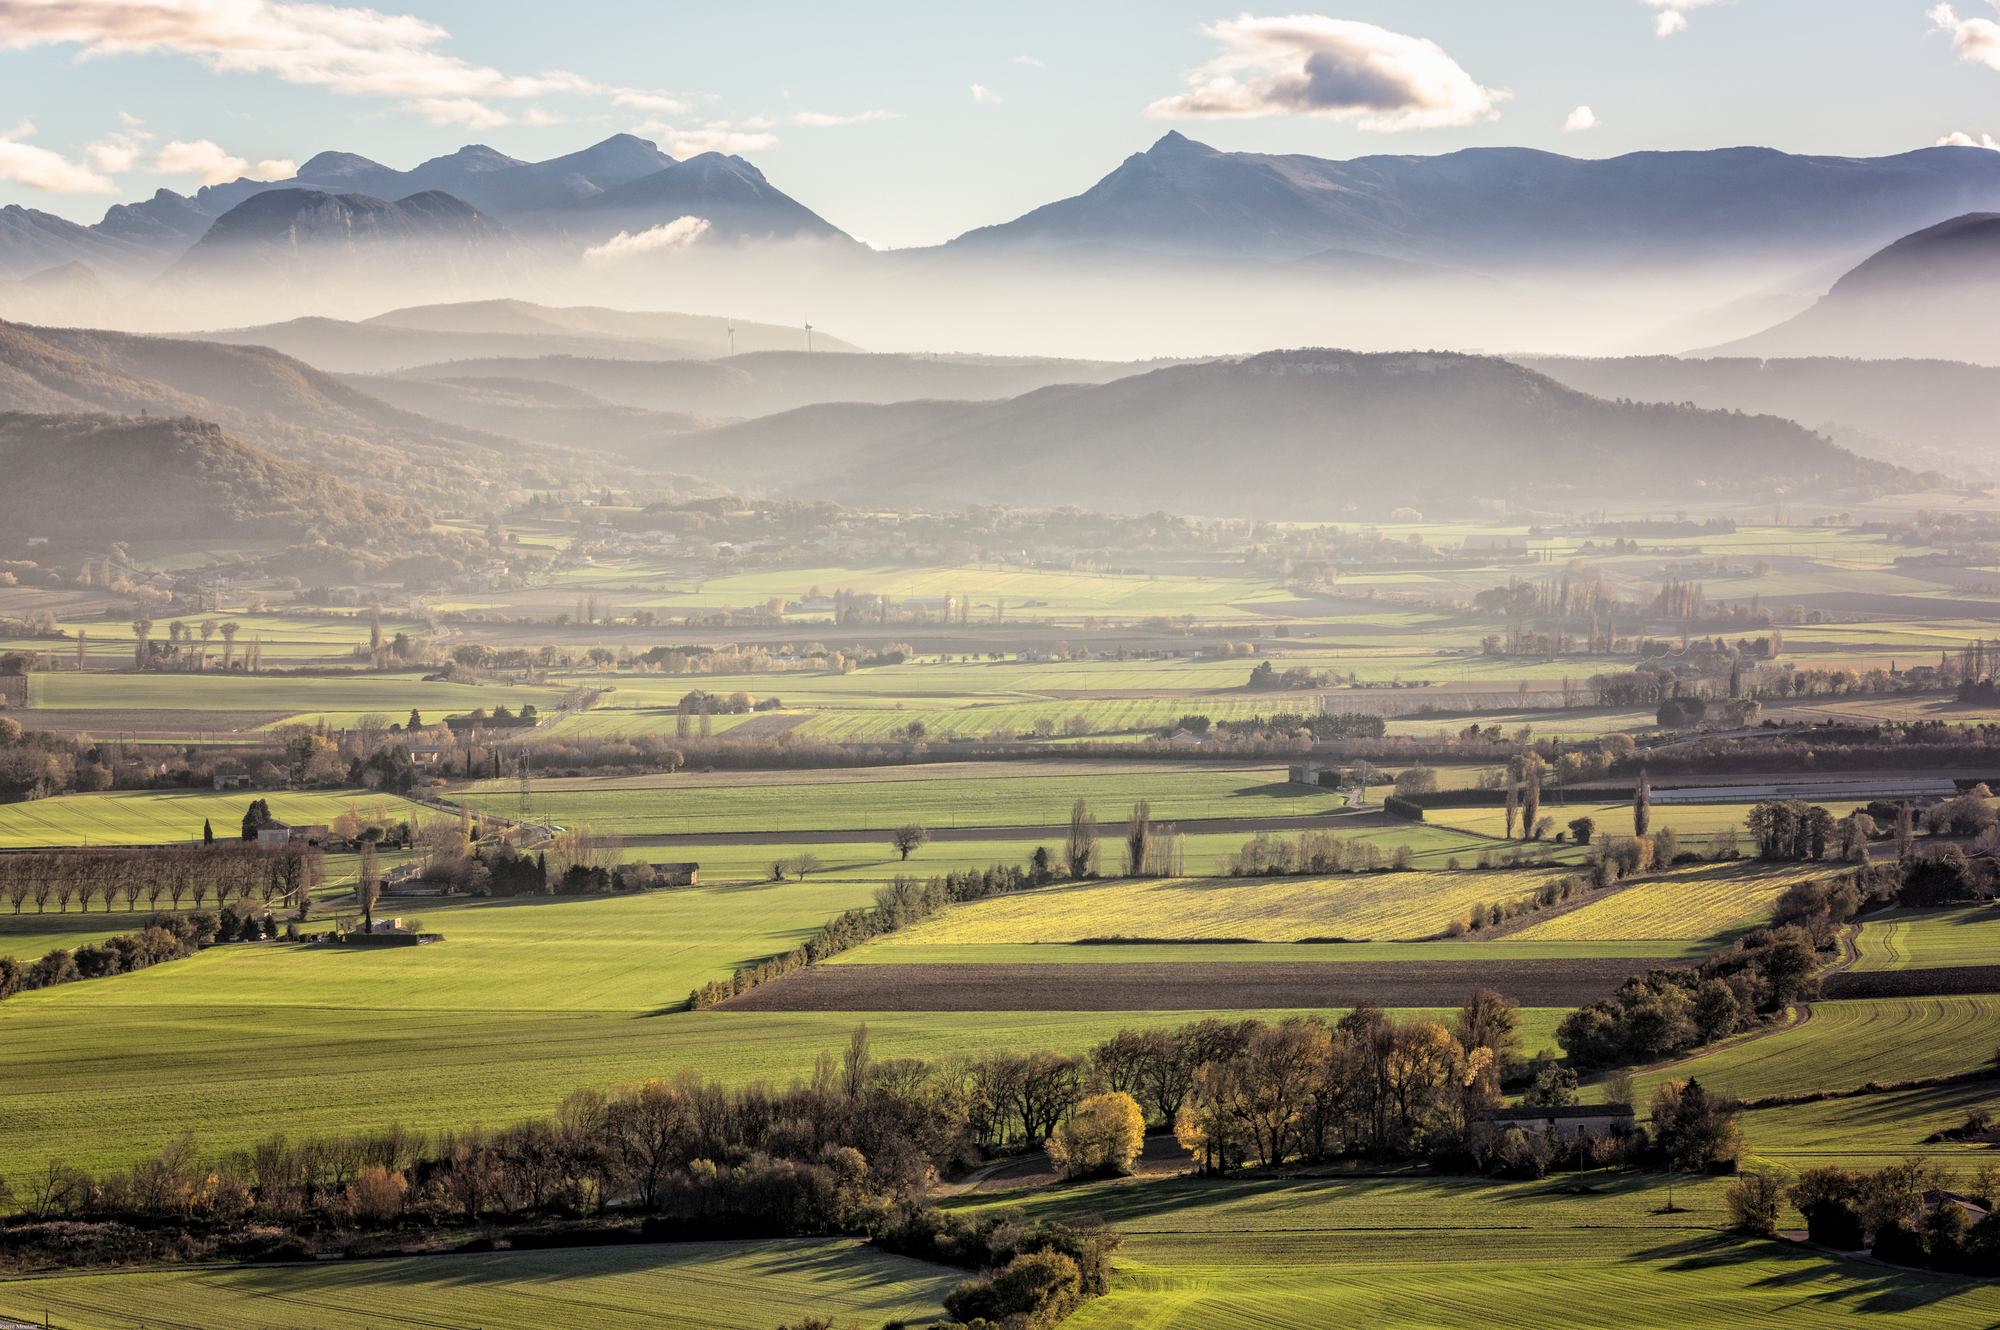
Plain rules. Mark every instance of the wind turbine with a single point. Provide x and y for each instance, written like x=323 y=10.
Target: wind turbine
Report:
x=809 y=336
x=732 y=339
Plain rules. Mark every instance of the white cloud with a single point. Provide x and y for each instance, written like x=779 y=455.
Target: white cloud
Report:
x=816 y=120
x=1958 y=138
x=1029 y=61
x=130 y=121
x=467 y=111
x=354 y=52
x=49 y=172
x=1307 y=64
x=986 y=95
x=1977 y=39
x=715 y=136
x=1672 y=17
x=677 y=234
x=119 y=152
x=649 y=101
x=214 y=166
x=1580 y=119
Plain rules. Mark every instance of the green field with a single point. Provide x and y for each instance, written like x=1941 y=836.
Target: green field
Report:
x=1705 y=901
x=881 y=798
x=1871 y=1131
x=340 y=700
x=163 y=817
x=1365 y=906
x=1930 y=939
x=740 y=1285
x=1588 y=1250
x=1847 y=1044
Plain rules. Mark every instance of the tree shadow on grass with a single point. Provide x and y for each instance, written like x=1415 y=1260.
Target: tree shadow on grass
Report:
x=815 y=1259
x=1862 y=1286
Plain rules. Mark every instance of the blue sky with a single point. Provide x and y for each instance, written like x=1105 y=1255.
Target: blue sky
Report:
x=906 y=123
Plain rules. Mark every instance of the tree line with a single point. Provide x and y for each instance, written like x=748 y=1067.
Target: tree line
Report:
x=284 y=875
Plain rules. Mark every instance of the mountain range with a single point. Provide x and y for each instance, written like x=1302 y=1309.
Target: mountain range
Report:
x=1506 y=207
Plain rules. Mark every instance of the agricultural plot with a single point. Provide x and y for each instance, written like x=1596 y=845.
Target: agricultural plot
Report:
x=165 y=817
x=1846 y=1044
x=342 y=699
x=1929 y=939
x=1378 y=906
x=699 y=1286
x=1872 y=1131
x=1695 y=823
x=1707 y=901
x=891 y=951
x=678 y=805
x=103 y=1082
x=1180 y=985
x=1472 y=1254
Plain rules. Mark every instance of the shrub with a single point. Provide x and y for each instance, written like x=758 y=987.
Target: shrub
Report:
x=1752 y=1202
x=1105 y=1134
x=1899 y=1245
x=376 y=1195
x=1039 y=1287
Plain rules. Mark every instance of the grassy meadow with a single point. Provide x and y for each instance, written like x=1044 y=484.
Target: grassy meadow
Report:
x=169 y=817
x=1701 y=901
x=691 y=1286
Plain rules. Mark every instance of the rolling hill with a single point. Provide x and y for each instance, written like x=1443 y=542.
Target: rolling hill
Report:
x=1310 y=434
x=760 y=383
x=545 y=412
x=94 y=476
x=275 y=402
x=510 y=329
x=1924 y=414
x=1929 y=295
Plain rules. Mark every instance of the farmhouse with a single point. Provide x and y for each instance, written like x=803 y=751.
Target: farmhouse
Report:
x=1568 y=1122
x=1185 y=739
x=284 y=833
x=678 y=875
x=232 y=780
x=1314 y=773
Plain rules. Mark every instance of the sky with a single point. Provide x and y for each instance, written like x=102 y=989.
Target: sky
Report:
x=908 y=123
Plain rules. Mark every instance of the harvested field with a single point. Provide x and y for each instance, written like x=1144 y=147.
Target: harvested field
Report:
x=1212 y=985
x=1946 y=981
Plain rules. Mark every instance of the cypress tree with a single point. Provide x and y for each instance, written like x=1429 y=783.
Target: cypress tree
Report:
x=1642 y=805
x=207 y=832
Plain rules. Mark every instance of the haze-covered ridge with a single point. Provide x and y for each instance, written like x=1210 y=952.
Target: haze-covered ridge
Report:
x=1504 y=205
x=1309 y=434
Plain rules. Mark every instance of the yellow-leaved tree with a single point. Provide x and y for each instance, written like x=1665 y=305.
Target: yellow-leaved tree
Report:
x=1103 y=1135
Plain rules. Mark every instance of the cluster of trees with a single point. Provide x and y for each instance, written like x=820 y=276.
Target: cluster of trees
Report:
x=1315 y=852
x=1670 y=1010
x=1033 y=1275
x=166 y=937
x=1908 y=1213
x=284 y=874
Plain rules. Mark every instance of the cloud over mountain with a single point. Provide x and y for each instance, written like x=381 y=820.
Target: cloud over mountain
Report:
x=1306 y=64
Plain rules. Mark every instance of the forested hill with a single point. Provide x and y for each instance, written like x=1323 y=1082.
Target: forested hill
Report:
x=104 y=477
x=1289 y=434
